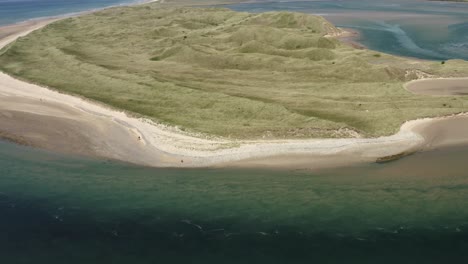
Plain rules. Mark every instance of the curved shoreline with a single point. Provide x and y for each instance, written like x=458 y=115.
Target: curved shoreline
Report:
x=111 y=133
x=452 y=86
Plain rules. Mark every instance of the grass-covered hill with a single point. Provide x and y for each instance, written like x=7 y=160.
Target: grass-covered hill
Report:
x=227 y=73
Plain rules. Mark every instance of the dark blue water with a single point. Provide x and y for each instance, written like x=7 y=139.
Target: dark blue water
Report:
x=420 y=29
x=13 y=11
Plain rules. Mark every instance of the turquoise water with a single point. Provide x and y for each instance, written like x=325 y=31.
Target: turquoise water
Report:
x=13 y=11
x=57 y=209
x=422 y=29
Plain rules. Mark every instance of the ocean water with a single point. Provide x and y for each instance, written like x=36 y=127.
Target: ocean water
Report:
x=63 y=209
x=416 y=28
x=13 y=11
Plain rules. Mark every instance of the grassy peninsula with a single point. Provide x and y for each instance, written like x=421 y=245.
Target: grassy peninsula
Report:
x=231 y=74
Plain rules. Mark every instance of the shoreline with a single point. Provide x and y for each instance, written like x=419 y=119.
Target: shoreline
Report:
x=350 y=37
x=452 y=86
x=93 y=129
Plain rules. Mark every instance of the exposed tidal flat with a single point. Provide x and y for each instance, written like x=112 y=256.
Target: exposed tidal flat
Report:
x=58 y=208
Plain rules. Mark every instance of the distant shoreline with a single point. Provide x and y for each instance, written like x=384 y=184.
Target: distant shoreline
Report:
x=100 y=131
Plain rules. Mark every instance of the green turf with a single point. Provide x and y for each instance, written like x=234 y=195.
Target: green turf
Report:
x=226 y=73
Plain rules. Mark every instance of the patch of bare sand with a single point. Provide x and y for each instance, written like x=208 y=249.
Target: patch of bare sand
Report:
x=440 y=86
x=56 y=127
x=444 y=132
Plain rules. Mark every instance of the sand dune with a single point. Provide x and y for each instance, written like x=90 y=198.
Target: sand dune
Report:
x=45 y=118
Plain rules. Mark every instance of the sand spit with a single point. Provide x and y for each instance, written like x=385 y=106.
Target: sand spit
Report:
x=48 y=119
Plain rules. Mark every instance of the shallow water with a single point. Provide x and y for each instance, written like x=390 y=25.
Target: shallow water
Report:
x=53 y=207
x=421 y=29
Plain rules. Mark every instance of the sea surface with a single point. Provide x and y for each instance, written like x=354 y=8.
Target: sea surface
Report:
x=416 y=28
x=66 y=209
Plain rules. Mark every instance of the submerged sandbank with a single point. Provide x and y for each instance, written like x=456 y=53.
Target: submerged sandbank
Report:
x=59 y=122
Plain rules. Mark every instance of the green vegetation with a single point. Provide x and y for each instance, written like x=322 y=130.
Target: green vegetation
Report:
x=227 y=73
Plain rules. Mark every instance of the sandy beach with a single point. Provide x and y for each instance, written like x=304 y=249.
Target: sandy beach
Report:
x=44 y=118
x=438 y=87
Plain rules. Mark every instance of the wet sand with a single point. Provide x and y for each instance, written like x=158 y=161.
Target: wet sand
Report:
x=445 y=132
x=44 y=118
x=56 y=127
x=453 y=86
